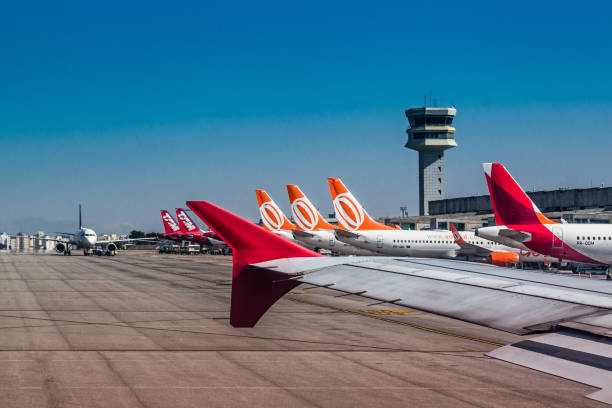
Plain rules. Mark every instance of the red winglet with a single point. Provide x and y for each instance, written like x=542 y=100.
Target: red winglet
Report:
x=456 y=236
x=254 y=289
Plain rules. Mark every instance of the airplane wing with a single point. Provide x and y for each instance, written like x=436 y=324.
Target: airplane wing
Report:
x=65 y=233
x=108 y=241
x=576 y=312
x=48 y=239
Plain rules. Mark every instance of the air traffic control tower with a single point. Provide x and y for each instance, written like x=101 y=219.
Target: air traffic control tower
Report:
x=430 y=133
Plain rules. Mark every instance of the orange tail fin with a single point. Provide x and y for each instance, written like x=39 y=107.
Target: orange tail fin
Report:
x=306 y=216
x=350 y=214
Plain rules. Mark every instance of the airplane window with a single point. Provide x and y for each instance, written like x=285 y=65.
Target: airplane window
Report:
x=599 y=238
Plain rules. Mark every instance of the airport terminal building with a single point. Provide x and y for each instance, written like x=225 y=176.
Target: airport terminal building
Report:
x=581 y=206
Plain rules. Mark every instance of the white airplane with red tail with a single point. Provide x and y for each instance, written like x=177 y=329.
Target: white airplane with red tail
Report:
x=521 y=224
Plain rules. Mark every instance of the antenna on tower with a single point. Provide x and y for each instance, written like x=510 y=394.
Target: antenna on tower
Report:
x=430 y=97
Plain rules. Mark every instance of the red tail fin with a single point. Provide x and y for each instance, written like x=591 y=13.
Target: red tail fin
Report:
x=254 y=289
x=510 y=203
x=169 y=224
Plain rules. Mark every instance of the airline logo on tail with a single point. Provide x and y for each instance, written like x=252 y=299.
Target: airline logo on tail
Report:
x=456 y=235
x=306 y=216
x=272 y=216
x=180 y=214
x=169 y=221
x=349 y=212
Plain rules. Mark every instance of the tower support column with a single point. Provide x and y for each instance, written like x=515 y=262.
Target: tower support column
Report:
x=431 y=177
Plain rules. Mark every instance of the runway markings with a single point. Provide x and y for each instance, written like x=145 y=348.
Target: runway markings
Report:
x=390 y=312
x=414 y=326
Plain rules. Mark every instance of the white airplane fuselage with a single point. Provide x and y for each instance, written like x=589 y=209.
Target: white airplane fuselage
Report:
x=431 y=244
x=84 y=238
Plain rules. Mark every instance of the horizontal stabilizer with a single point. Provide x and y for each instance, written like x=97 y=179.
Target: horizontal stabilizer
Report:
x=297 y=234
x=345 y=234
x=515 y=235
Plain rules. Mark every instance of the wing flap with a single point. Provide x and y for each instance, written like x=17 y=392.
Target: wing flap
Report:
x=579 y=357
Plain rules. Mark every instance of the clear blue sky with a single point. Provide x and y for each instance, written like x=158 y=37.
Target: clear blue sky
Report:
x=133 y=107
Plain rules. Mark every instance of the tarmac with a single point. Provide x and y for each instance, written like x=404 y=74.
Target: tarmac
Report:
x=147 y=330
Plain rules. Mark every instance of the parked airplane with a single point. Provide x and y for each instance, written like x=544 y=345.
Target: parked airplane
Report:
x=385 y=240
x=87 y=240
x=197 y=236
x=312 y=227
x=266 y=267
x=522 y=225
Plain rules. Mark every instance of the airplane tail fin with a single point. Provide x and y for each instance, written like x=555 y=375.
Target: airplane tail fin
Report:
x=185 y=222
x=254 y=289
x=510 y=203
x=349 y=213
x=80 y=218
x=169 y=224
x=272 y=216
x=306 y=216
x=456 y=237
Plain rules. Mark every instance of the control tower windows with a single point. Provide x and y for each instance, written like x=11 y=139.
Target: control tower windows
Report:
x=432 y=120
x=430 y=135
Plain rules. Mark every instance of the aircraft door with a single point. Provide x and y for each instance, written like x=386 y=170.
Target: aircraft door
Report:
x=557 y=238
x=332 y=241
x=379 y=241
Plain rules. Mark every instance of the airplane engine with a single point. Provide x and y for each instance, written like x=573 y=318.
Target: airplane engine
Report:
x=111 y=249
x=59 y=247
x=502 y=258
